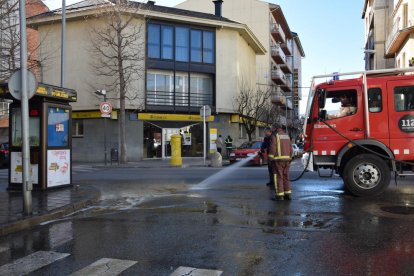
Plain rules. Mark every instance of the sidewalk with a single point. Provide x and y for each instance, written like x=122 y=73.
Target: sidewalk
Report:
x=46 y=206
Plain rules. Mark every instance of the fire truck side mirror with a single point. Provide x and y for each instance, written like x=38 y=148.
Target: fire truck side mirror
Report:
x=321 y=97
x=322 y=115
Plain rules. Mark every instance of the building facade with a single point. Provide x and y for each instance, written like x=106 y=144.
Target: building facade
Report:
x=400 y=40
x=187 y=60
x=280 y=67
x=377 y=17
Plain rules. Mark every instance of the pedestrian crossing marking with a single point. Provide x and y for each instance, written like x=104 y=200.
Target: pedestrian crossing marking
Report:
x=191 y=271
x=105 y=266
x=31 y=262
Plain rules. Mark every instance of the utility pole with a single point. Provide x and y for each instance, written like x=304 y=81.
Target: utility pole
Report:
x=63 y=46
x=27 y=185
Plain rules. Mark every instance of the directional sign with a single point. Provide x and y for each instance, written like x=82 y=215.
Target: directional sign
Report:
x=106 y=109
x=15 y=85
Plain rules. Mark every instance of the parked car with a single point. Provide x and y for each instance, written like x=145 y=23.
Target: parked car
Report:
x=296 y=150
x=4 y=154
x=249 y=149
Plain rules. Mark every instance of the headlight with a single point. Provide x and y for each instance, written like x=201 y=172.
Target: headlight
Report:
x=232 y=154
x=251 y=154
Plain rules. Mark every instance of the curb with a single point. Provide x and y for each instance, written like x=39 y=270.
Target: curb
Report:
x=52 y=215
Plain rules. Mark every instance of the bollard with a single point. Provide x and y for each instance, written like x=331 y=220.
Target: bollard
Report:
x=176 y=160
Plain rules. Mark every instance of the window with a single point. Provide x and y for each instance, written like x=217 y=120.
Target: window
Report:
x=167 y=42
x=341 y=103
x=160 y=88
x=404 y=98
x=77 y=128
x=201 y=90
x=374 y=100
x=181 y=44
x=208 y=47
x=153 y=41
x=196 y=50
x=181 y=90
x=34 y=129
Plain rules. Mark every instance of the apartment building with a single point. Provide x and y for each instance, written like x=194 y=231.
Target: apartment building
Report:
x=377 y=17
x=400 y=40
x=188 y=60
x=280 y=67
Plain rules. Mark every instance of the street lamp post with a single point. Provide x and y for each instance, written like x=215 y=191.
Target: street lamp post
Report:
x=103 y=93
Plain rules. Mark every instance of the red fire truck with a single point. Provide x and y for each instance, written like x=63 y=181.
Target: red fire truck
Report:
x=362 y=128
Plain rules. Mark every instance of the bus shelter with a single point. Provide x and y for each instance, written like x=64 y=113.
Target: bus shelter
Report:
x=50 y=121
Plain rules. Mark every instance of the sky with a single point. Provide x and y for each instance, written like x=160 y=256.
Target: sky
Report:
x=331 y=33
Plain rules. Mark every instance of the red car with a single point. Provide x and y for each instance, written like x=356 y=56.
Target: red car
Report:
x=249 y=149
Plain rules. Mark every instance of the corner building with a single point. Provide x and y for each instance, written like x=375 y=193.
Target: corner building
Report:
x=190 y=59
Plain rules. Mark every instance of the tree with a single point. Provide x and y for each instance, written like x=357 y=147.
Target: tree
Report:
x=118 y=46
x=9 y=38
x=252 y=104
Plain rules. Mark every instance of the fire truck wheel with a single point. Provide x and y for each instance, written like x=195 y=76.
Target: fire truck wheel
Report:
x=366 y=175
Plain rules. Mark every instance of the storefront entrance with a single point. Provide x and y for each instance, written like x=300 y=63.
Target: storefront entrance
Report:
x=157 y=139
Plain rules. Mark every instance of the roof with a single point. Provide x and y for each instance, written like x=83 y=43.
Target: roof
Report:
x=150 y=6
x=298 y=43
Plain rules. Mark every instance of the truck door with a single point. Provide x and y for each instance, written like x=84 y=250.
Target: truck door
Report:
x=346 y=116
x=378 y=114
x=401 y=118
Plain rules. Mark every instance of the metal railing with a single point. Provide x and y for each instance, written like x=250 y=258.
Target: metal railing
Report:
x=277 y=29
x=166 y=98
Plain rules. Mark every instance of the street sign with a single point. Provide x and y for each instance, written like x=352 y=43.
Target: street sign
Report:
x=15 y=85
x=106 y=109
x=205 y=111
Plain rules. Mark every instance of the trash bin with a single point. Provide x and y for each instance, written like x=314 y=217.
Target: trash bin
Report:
x=114 y=155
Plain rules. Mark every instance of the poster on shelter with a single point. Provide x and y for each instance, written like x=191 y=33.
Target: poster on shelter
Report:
x=16 y=169
x=58 y=167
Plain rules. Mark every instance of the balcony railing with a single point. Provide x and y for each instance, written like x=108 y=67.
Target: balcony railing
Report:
x=178 y=99
x=277 y=54
x=277 y=32
x=278 y=76
x=400 y=30
x=287 y=47
x=287 y=66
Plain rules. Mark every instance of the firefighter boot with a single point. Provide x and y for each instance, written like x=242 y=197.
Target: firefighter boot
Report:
x=288 y=195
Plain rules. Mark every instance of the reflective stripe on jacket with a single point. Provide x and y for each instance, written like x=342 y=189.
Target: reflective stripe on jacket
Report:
x=280 y=147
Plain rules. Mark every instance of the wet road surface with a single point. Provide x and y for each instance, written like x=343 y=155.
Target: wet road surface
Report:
x=153 y=222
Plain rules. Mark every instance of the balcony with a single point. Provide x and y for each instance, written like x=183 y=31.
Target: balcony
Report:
x=277 y=33
x=400 y=32
x=287 y=85
x=277 y=54
x=278 y=76
x=287 y=47
x=287 y=66
x=279 y=99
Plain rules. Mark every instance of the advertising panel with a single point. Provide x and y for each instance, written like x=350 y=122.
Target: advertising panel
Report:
x=16 y=169
x=58 y=167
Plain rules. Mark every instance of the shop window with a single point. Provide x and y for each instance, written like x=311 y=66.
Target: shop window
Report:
x=77 y=128
x=404 y=98
x=374 y=100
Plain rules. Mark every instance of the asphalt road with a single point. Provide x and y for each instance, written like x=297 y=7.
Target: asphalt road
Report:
x=166 y=221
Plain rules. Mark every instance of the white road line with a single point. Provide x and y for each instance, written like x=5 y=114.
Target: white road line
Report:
x=105 y=267
x=191 y=271
x=31 y=262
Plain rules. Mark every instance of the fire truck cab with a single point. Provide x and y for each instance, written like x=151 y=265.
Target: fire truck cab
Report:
x=362 y=128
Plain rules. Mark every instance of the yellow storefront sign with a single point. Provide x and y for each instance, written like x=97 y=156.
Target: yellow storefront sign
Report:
x=172 y=117
x=92 y=114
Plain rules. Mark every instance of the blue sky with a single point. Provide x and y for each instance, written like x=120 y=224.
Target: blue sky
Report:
x=331 y=32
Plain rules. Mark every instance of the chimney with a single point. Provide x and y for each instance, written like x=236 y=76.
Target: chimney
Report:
x=217 y=5
x=151 y=3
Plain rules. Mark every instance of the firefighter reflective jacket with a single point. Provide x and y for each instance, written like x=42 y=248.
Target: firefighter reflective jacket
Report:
x=280 y=147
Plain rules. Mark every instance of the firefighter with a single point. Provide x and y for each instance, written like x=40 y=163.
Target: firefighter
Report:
x=229 y=145
x=265 y=148
x=280 y=154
